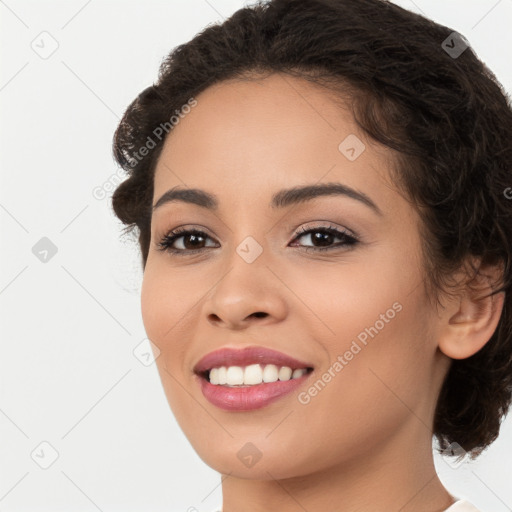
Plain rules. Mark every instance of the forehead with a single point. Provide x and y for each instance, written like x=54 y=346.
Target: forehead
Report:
x=257 y=135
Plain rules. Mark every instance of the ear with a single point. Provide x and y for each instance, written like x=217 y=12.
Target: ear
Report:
x=469 y=320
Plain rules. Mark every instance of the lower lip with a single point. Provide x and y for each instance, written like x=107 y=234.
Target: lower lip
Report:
x=250 y=397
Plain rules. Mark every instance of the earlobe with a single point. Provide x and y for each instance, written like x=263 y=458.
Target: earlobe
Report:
x=469 y=322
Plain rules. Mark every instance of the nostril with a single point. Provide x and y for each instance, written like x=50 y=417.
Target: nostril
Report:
x=259 y=314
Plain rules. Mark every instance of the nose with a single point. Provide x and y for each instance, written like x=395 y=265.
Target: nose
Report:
x=247 y=294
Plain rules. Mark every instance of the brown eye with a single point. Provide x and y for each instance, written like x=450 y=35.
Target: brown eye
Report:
x=323 y=238
x=188 y=241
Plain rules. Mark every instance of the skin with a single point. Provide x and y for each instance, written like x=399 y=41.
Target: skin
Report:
x=366 y=438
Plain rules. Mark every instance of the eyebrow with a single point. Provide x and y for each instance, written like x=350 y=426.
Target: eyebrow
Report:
x=281 y=199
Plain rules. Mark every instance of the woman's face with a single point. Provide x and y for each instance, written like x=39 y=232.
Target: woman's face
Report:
x=356 y=313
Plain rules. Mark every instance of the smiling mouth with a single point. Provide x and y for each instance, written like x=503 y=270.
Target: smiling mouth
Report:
x=252 y=375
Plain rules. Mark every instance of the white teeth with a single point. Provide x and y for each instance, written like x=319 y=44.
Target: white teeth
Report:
x=253 y=374
x=214 y=376
x=270 y=373
x=222 y=375
x=299 y=372
x=285 y=373
x=234 y=375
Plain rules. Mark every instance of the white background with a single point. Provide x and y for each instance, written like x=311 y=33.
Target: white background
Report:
x=68 y=375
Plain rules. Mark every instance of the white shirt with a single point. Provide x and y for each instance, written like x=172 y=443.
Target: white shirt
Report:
x=462 y=506
x=458 y=506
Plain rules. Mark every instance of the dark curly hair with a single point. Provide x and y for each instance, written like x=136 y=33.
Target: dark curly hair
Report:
x=412 y=85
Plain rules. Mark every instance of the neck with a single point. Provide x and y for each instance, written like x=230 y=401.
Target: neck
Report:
x=398 y=476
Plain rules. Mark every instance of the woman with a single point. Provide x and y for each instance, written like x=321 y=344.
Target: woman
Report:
x=319 y=189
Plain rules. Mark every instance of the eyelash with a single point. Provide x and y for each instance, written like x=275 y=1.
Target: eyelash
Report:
x=166 y=242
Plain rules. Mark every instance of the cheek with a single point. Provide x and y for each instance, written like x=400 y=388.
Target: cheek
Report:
x=163 y=310
x=170 y=305
x=371 y=319
x=165 y=301
x=152 y=306
x=343 y=299
x=387 y=359
x=367 y=391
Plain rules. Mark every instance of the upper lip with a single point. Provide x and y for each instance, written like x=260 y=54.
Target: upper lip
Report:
x=228 y=356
